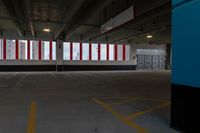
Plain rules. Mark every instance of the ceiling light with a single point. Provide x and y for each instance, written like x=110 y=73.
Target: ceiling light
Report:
x=46 y=30
x=149 y=36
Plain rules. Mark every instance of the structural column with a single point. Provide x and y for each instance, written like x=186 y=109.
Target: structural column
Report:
x=59 y=55
x=185 y=97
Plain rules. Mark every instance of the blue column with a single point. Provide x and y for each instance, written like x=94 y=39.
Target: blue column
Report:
x=186 y=65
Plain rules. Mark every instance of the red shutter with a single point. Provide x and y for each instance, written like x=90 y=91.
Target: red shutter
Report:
x=71 y=51
x=99 y=51
x=4 y=48
x=107 y=52
x=81 y=50
x=50 y=50
x=28 y=49
x=124 y=52
x=90 y=51
x=116 y=52
x=17 y=49
x=40 y=50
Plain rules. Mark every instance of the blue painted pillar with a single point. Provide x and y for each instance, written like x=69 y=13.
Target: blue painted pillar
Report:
x=185 y=98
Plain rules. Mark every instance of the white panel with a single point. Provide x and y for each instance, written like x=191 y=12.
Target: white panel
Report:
x=22 y=49
x=103 y=52
x=94 y=51
x=119 y=20
x=45 y=50
x=111 y=52
x=34 y=50
x=120 y=53
x=127 y=52
x=66 y=51
x=76 y=51
x=85 y=51
x=10 y=49
x=53 y=50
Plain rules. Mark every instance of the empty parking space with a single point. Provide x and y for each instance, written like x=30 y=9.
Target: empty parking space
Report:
x=102 y=102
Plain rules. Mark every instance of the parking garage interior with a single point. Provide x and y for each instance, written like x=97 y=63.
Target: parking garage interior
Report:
x=103 y=66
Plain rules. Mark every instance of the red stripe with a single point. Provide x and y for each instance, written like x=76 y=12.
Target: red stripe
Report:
x=28 y=49
x=124 y=52
x=99 y=51
x=71 y=51
x=40 y=50
x=50 y=50
x=116 y=52
x=107 y=52
x=4 y=48
x=81 y=50
x=17 y=49
x=90 y=51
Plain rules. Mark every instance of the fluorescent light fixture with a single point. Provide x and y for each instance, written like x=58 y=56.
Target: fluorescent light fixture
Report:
x=149 y=36
x=46 y=30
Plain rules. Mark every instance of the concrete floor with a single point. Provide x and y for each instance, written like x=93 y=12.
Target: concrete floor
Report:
x=85 y=102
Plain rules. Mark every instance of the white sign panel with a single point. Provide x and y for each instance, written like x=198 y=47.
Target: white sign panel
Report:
x=119 y=20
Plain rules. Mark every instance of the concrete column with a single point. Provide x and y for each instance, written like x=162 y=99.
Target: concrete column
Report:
x=185 y=112
x=133 y=56
x=59 y=55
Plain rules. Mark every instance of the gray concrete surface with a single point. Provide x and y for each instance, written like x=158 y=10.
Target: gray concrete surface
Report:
x=65 y=102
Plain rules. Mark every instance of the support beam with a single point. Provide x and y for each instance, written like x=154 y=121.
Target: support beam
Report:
x=89 y=12
x=8 y=6
x=70 y=11
x=28 y=15
x=144 y=17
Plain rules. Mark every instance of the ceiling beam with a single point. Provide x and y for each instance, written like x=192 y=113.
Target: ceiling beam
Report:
x=69 y=12
x=8 y=6
x=153 y=13
x=28 y=15
x=89 y=12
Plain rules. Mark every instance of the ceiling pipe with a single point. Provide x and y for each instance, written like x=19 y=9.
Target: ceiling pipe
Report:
x=89 y=12
x=28 y=15
x=69 y=12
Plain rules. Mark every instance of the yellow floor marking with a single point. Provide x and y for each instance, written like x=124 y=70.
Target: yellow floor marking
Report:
x=151 y=99
x=124 y=101
x=135 y=126
x=105 y=98
x=134 y=115
x=32 y=119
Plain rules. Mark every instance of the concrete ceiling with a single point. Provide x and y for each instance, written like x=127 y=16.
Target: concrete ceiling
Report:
x=76 y=20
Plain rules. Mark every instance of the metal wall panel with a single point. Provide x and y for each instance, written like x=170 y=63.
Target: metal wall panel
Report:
x=151 y=59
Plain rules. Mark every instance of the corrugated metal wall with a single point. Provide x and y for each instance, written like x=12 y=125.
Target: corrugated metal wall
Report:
x=151 y=59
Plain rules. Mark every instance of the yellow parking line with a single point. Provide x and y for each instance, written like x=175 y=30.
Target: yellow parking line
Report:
x=151 y=99
x=134 y=115
x=32 y=119
x=124 y=101
x=135 y=126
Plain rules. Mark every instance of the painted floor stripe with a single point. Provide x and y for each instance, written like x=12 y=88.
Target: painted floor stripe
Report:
x=134 y=115
x=124 y=101
x=32 y=118
x=135 y=126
